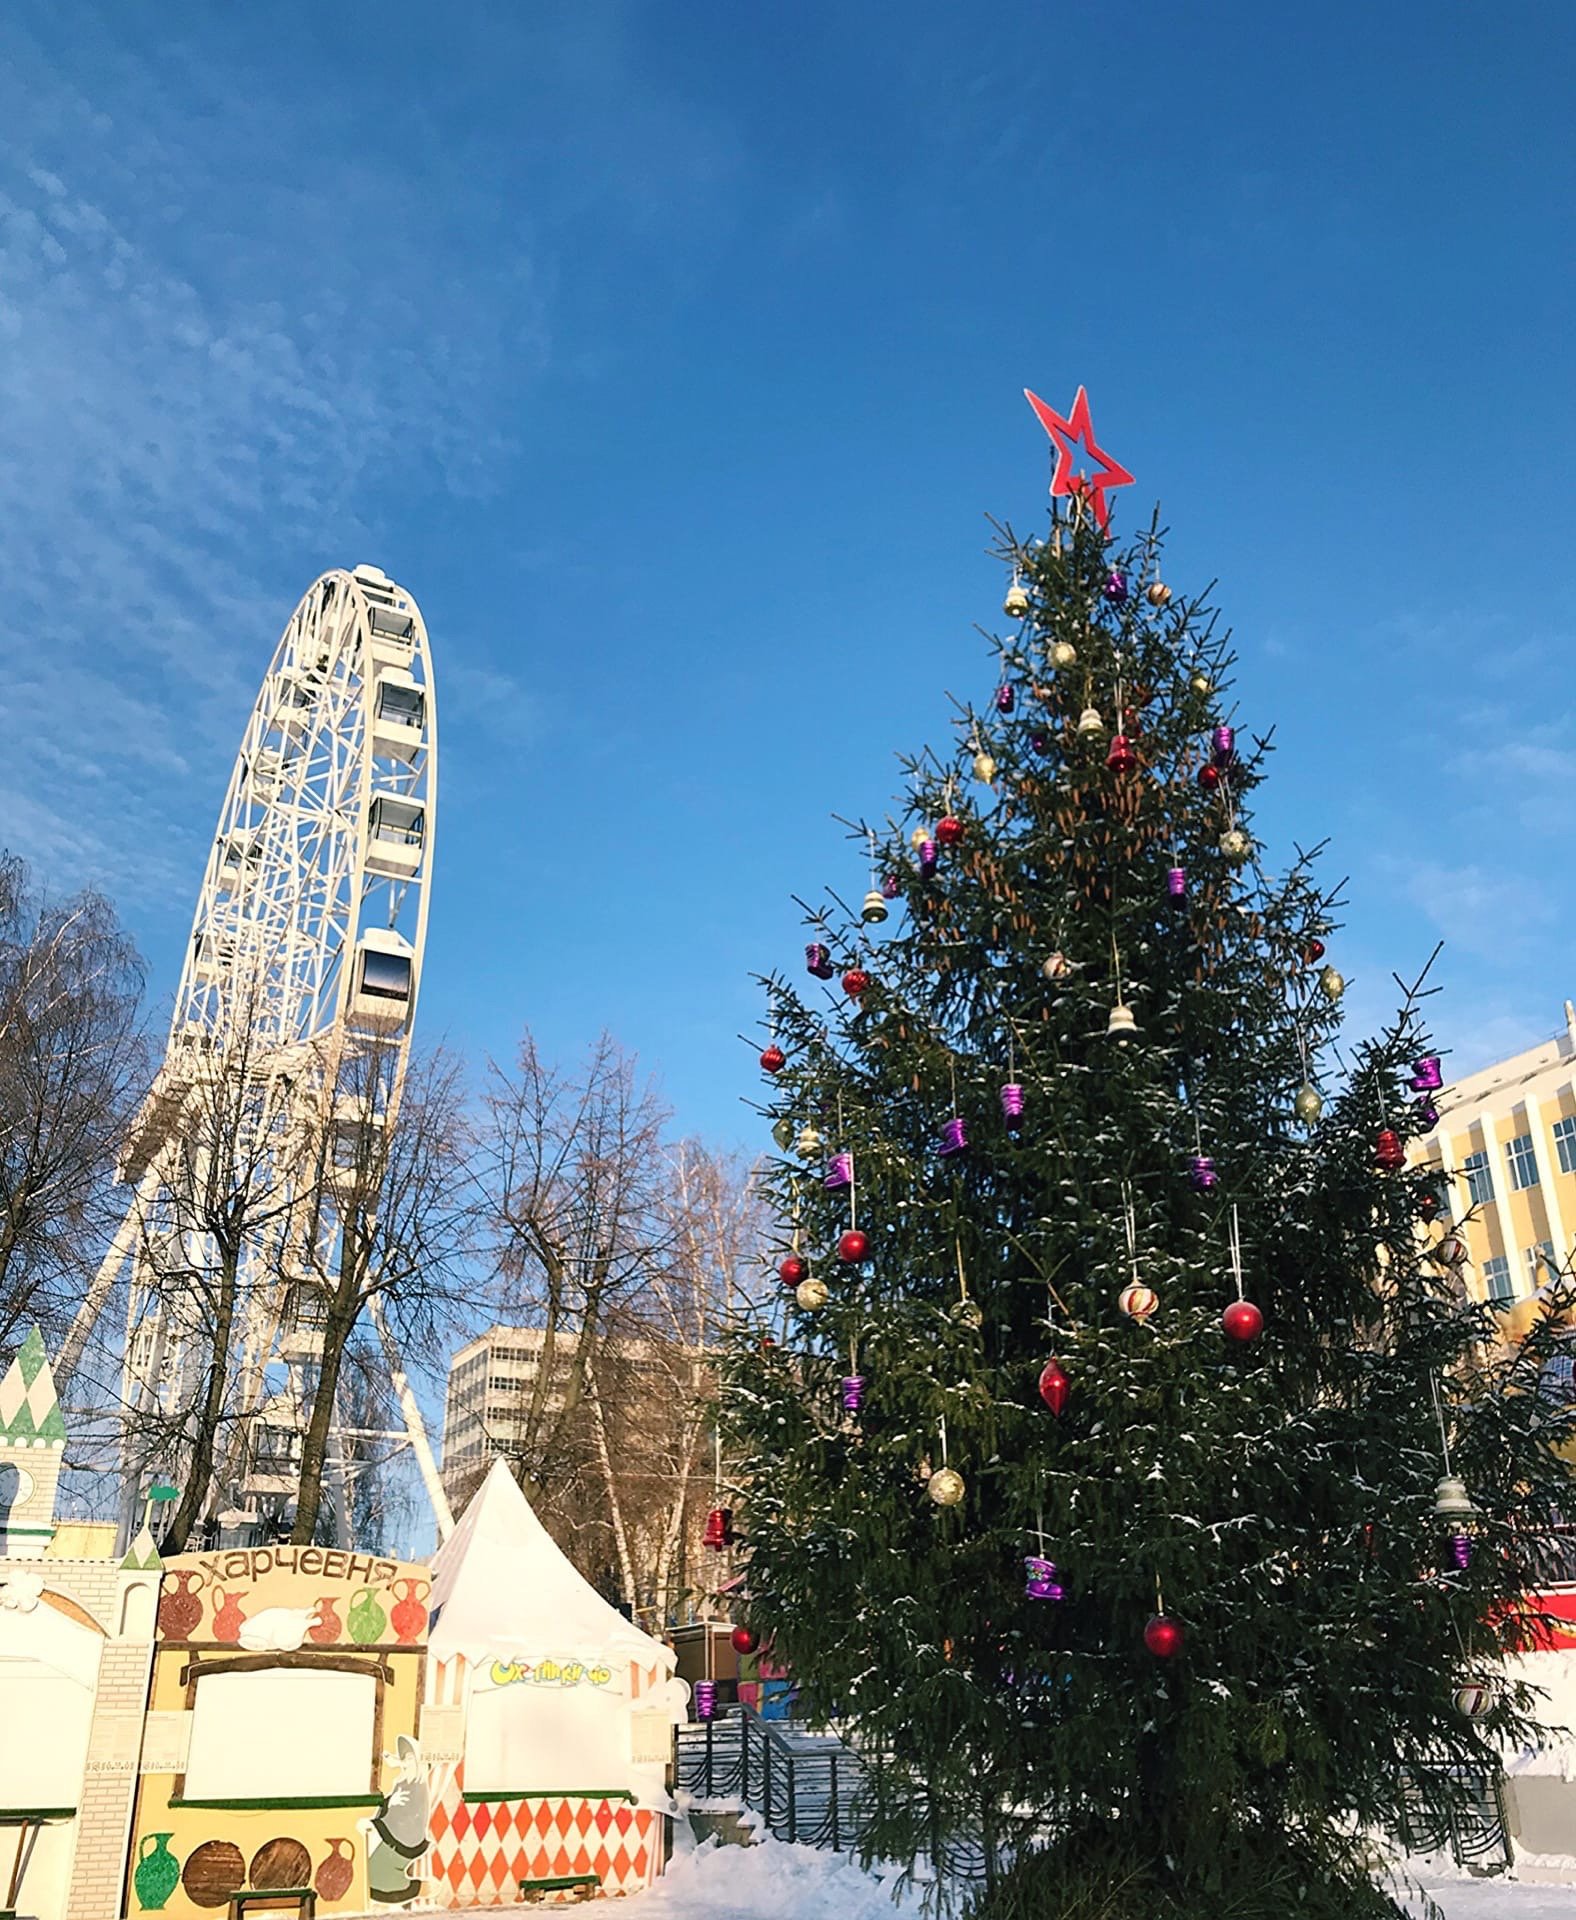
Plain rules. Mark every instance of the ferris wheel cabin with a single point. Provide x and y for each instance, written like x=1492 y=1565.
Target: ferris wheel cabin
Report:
x=399 y=714
x=384 y=983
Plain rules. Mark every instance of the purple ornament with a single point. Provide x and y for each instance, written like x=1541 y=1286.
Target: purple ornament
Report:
x=818 y=960
x=705 y=1699
x=1039 y=1579
x=1427 y=1115
x=1222 y=740
x=1176 y=882
x=1459 y=1548
x=953 y=1138
x=1012 y=1104
x=1005 y=697
x=1039 y=743
x=927 y=857
x=839 y=1172
x=853 y=1392
x=1426 y=1076
x=1116 y=586
x=1201 y=1172
x=891 y=886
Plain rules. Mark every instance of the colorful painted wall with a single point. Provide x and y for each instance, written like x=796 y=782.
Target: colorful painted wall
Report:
x=280 y=1749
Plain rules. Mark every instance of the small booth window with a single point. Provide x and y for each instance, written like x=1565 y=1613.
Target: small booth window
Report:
x=283 y=1734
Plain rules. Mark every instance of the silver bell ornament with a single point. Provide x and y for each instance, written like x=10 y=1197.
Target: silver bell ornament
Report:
x=1016 y=604
x=1089 y=721
x=1063 y=654
x=810 y=1294
x=1452 y=1501
x=1235 y=845
x=1331 y=983
x=984 y=768
x=1202 y=684
x=1121 y=1025
x=1308 y=1105
x=875 y=908
x=808 y=1145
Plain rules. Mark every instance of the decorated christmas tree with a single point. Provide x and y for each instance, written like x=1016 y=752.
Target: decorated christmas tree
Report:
x=1125 y=1466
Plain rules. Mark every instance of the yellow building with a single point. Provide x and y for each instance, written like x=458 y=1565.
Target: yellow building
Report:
x=1505 y=1147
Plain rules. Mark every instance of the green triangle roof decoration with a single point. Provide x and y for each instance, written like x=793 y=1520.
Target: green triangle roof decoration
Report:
x=143 y=1555
x=29 y=1410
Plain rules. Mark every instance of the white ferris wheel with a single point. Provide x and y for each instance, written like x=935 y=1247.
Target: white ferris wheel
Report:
x=305 y=962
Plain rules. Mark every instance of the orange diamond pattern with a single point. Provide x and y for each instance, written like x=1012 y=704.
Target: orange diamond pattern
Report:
x=482 y=1850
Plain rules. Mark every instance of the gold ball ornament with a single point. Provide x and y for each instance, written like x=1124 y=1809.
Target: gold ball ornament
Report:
x=918 y=837
x=1016 y=604
x=1089 y=721
x=1157 y=593
x=1063 y=654
x=1235 y=845
x=1331 y=983
x=1308 y=1104
x=945 y=1486
x=810 y=1294
x=984 y=768
x=966 y=1313
x=1137 y=1301
x=1202 y=684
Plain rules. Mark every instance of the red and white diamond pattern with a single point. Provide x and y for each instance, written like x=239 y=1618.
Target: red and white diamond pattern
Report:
x=482 y=1849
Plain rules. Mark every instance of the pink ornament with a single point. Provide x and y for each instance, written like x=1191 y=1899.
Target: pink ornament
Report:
x=1039 y=1579
x=1459 y=1548
x=1222 y=741
x=1426 y=1075
x=705 y=1699
x=818 y=960
x=839 y=1172
x=953 y=1138
x=853 y=1392
x=1004 y=697
x=1176 y=882
x=1012 y=1104
x=891 y=886
x=1201 y=1172
x=927 y=857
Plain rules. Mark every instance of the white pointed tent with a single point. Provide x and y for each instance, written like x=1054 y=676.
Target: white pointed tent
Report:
x=557 y=1711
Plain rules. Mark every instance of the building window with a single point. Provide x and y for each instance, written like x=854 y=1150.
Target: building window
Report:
x=1537 y=1253
x=1565 y=1143
x=1523 y=1162
x=1480 y=1184
x=1496 y=1277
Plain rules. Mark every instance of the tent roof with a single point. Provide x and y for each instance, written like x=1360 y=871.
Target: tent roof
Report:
x=501 y=1586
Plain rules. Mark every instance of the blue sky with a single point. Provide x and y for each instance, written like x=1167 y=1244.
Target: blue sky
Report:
x=672 y=356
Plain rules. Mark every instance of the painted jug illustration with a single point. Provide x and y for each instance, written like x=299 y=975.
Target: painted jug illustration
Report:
x=181 y=1608
x=157 y=1870
x=228 y=1619
x=367 y=1618
x=325 y=1632
x=397 y=1835
x=336 y=1872
x=409 y=1615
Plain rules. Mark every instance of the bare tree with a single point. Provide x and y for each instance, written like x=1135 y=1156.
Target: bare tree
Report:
x=575 y=1178
x=386 y=1225
x=72 y=1062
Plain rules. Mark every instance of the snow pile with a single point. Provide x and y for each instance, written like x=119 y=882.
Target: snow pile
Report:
x=771 y=1881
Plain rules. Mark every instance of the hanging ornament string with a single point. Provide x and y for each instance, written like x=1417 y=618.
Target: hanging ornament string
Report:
x=963 y=1285
x=1439 y=1414
x=1132 y=1230
x=1236 y=1251
x=943 y=1425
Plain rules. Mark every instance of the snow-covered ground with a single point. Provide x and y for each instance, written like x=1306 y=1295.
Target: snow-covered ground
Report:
x=773 y=1881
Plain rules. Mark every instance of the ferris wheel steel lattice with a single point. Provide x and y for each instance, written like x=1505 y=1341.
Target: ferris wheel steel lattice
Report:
x=305 y=963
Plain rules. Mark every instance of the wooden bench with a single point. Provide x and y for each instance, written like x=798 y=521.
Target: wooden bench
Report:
x=302 y=1899
x=567 y=1886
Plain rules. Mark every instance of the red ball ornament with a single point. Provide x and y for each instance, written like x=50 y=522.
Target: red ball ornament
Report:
x=744 y=1639
x=852 y=1248
x=855 y=981
x=949 y=831
x=792 y=1270
x=1428 y=1204
x=1054 y=1386
x=1209 y=776
x=1164 y=1636
x=774 y=1059
x=1242 y=1321
x=1313 y=953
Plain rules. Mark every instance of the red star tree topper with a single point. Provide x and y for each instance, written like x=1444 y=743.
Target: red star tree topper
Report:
x=1076 y=433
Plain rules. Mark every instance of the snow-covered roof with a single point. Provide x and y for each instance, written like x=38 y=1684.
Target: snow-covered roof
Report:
x=501 y=1586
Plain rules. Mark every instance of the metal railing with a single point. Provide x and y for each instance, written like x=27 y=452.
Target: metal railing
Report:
x=809 y=1790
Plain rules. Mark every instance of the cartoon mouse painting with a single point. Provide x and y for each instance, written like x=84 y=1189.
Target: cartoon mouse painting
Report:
x=397 y=1832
